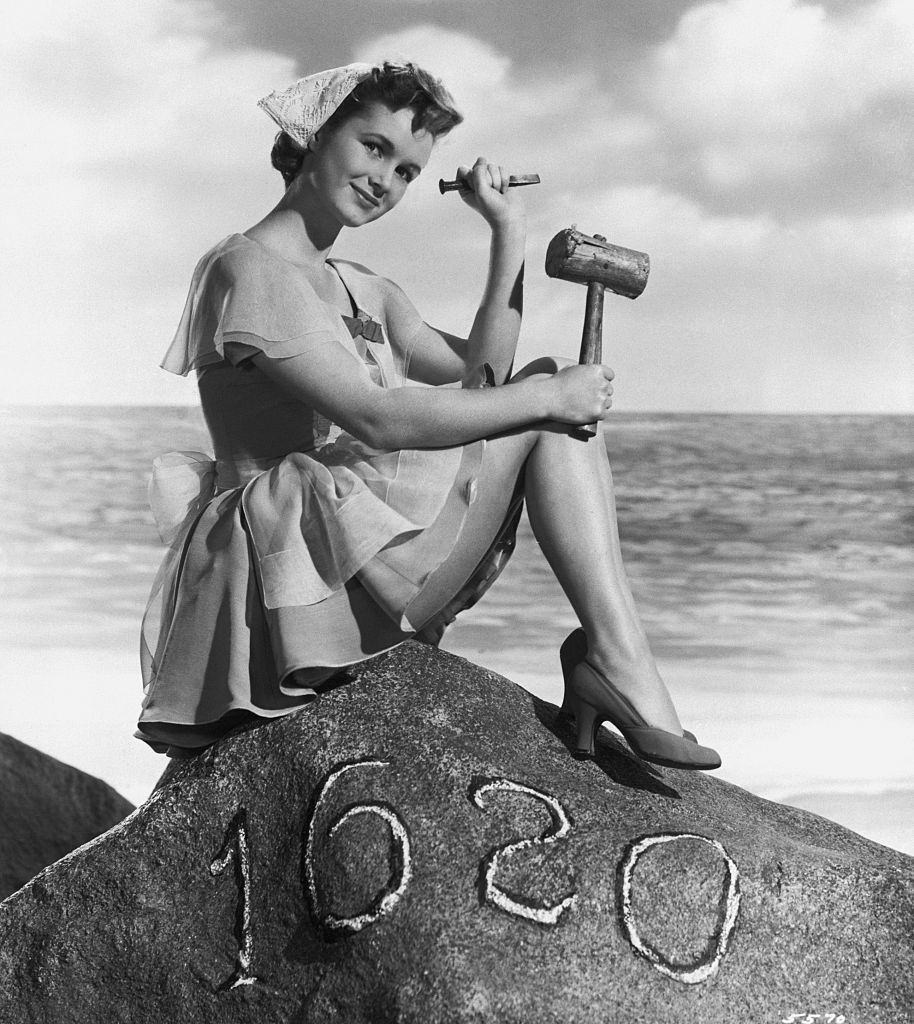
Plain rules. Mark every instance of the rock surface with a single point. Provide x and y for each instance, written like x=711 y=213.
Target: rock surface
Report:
x=47 y=809
x=418 y=846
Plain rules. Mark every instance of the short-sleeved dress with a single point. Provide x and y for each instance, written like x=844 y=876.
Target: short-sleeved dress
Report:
x=297 y=548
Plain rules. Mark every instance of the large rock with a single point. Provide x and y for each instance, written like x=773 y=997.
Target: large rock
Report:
x=47 y=809
x=419 y=846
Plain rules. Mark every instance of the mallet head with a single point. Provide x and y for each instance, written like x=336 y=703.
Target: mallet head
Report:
x=574 y=256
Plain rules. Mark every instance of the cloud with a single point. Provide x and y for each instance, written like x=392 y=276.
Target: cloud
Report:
x=128 y=140
x=779 y=103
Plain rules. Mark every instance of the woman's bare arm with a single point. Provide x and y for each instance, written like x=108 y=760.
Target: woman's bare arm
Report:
x=493 y=337
x=335 y=383
x=438 y=357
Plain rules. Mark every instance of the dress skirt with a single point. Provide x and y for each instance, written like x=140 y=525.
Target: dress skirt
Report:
x=221 y=641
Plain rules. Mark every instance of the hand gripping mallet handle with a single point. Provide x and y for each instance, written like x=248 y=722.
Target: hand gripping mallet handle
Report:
x=514 y=181
x=591 y=260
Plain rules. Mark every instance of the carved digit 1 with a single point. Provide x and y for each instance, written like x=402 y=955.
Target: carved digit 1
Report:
x=235 y=848
x=561 y=826
x=702 y=970
x=401 y=855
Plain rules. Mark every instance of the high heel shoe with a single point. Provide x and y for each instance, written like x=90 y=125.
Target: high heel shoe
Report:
x=573 y=650
x=590 y=699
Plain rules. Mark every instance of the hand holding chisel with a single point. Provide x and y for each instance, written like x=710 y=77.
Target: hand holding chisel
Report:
x=514 y=181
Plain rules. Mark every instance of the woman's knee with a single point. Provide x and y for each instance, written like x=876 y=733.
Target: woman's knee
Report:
x=543 y=366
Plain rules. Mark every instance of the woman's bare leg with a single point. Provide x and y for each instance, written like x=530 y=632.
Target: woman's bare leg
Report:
x=571 y=504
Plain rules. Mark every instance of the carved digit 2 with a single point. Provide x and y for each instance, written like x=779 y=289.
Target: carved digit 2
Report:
x=402 y=855
x=702 y=970
x=561 y=826
x=235 y=848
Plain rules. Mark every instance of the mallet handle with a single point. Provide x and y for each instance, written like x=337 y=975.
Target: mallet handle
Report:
x=513 y=182
x=592 y=337
x=591 y=344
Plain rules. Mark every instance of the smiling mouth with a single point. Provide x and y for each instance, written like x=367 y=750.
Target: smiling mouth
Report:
x=366 y=196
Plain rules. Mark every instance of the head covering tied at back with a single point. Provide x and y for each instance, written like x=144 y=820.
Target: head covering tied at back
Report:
x=304 y=106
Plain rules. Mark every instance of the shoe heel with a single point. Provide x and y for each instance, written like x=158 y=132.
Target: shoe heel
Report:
x=587 y=720
x=573 y=650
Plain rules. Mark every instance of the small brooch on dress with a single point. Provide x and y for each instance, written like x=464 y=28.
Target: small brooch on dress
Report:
x=365 y=325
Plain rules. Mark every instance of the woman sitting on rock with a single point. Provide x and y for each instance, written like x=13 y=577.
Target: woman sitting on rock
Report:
x=353 y=494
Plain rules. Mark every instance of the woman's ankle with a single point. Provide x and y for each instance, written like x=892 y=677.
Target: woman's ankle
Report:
x=635 y=674
x=628 y=661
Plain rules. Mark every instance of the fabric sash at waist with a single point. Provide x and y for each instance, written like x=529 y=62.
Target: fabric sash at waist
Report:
x=183 y=482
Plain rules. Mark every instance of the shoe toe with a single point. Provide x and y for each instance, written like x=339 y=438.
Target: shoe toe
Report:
x=706 y=757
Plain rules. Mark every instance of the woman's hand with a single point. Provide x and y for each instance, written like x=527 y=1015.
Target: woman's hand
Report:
x=580 y=394
x=488 y=193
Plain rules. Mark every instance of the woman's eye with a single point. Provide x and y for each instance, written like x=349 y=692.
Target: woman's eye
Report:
x=372 y=147
x=405 y=174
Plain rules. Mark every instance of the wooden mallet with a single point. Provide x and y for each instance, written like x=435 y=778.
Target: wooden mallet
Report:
x=591 y=260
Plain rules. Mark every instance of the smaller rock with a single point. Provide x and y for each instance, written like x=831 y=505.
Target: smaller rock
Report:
x=48 y=808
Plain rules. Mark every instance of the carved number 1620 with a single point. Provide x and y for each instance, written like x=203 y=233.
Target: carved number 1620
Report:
x=235 y=850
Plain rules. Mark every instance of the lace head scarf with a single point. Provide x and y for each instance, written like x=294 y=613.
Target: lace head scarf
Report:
x=304 y=106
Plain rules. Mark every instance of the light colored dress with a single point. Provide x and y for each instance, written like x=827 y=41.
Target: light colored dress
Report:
x=297 y=548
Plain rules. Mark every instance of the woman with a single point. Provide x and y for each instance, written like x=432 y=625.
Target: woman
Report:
x=352 y=495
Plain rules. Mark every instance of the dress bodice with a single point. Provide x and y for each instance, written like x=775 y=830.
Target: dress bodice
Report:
x=252 y=418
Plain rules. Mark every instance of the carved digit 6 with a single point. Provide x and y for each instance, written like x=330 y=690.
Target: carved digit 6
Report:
x=561 y=826
x=401 y=855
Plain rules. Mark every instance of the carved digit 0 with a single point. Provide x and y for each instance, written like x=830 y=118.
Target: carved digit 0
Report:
x=707 y=967
x=560 y=828
x=235 y=850
x=401 y=855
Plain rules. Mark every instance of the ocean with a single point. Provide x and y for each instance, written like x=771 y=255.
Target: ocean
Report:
x=772 y=558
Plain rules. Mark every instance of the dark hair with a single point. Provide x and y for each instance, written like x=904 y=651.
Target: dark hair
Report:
x=397 y=86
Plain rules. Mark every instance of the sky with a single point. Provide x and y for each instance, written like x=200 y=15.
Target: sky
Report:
x=759 y=150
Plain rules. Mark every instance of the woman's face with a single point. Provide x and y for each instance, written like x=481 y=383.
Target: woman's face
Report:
x=361 y=169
